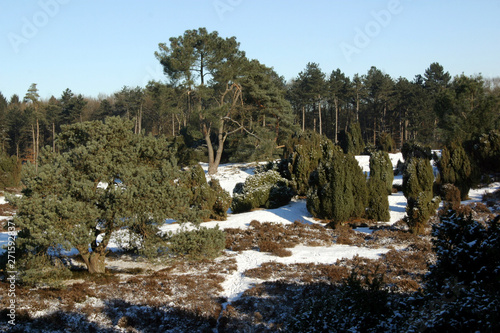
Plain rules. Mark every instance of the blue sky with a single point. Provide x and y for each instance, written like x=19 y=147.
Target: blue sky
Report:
x=97 y=47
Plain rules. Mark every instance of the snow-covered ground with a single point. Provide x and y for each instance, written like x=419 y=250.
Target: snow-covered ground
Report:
x=236 y=283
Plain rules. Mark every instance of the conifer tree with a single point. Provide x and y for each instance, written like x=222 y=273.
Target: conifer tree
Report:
x=351 y=141
x=104 y=179
x=381 y=168
x=455 y=168
x=379 y=186
x=418 y=182
x=338 y=186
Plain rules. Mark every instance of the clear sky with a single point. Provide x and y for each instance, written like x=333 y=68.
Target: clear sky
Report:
x=99 y=46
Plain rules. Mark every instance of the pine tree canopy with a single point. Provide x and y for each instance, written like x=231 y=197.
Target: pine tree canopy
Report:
x=104 y=179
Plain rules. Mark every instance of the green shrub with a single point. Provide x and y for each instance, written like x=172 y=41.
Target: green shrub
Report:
x=381 y=168
x=378 y=202
x=41 y=270
x=10 y=171
x=455 y=168
x=199 y=243
x=302 y=160
x=210 y=199
x=386 y=143
x=415 y=149
x=418 y=182
x=351 y=140
x=486 y=151
x=451 y=196
x=266 y=190
x=338 y=189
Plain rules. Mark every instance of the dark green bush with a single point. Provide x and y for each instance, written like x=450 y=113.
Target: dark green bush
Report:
x=303 y=158
x=211 y=201
x=41 y=270
x=199 y=243
x=378 y=202
x=415 y=149
x=338 y=189
x=266 y=190
x=450 y=194
x=418 y=182
x=381 y=168
x=462 y=287
x=351 y=140
x=455 y=168
x=10 y=171
x=386 y=142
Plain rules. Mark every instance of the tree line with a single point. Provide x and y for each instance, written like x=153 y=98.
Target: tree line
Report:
x=235 y=108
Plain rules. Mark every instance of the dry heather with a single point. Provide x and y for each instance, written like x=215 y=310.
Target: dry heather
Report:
x=275 y=238
x=185 y=295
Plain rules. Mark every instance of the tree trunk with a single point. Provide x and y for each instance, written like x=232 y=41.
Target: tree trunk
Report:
x=336 y=118
x=34 y=147
x=320 y=121
x=303 y=119
x=37 y=142
x=53 y=137
x=212 y=167
x=95 y=262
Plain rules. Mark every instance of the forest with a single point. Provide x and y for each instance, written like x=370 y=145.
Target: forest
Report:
x=230 y=108
x=130 y=171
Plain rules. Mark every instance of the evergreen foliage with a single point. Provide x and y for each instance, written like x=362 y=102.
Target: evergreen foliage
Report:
x=381 y=168
x=104 y=179
x=418 y=182
x=338 y=189
x=10 y=171
x=302 y=161
x=386 y=142
x=209 y=199
x=378 y=202
x=455 y=168
x=486 y=152
x=379 y=186
x=415 y=149
x=462 y=290
x=267 y=190
x=199 y=243
x=351 y=140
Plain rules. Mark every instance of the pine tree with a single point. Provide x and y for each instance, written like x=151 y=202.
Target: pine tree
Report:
x=104 y=179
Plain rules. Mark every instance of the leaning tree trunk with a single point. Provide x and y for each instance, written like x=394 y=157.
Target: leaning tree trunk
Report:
x=95 y=262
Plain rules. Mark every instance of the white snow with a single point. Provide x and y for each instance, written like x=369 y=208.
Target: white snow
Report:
x=236 y=283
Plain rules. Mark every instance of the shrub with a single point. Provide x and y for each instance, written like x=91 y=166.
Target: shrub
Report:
x=338 y=187
x=486 y=151
x=415 y=149
x=351 y=140
x=211 y=201
x=417 y=187
x=451 y=196
x=41 y=270
x=381 y=168
x=386 y=142
x=199 y=243
x=462 y=287
x=302 y=161
x=455 y=168
x=267 y=190
x=378 y=203
x=10 y=171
